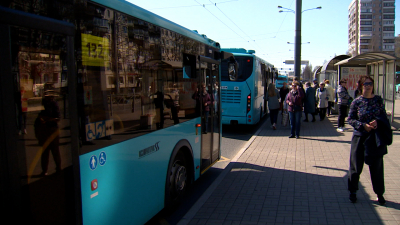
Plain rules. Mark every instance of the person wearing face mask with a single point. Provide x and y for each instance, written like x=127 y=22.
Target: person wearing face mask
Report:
x=372 y=133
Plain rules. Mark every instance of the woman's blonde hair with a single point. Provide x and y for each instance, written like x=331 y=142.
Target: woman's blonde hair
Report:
x=271 y=90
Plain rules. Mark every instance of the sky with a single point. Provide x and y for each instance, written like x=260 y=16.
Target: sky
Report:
x=258 y=25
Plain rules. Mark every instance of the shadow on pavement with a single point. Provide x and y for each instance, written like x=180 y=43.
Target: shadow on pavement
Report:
x=252 y=193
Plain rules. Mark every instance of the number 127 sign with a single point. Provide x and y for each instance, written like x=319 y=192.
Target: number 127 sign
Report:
x=95 y=50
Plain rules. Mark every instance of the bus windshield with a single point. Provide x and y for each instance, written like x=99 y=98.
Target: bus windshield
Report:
x=245 y=68
x=282 y=78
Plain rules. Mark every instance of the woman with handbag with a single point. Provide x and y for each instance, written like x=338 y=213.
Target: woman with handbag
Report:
x=322 y=96
x=295 y=107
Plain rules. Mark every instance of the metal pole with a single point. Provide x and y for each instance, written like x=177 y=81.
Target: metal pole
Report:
x=297 y=42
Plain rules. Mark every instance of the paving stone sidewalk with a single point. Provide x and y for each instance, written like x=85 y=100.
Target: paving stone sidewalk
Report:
x=278 y=180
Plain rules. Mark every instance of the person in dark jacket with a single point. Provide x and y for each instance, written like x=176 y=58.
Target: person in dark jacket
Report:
x=342 y=97
x=309 y=102
x=363 y=115
x=283 y=91
x=295 y=107
x=203 y=100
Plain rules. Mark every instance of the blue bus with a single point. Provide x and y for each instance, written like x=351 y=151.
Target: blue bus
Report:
x=111 y=91
x=243 y=96
x=280 y=79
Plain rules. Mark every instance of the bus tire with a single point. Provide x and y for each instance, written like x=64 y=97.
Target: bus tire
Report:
x=178 y=180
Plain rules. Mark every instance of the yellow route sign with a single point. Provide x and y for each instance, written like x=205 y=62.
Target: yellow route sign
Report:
x=95 y=50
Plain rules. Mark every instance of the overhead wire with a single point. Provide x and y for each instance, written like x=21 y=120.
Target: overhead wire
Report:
x=215 y=4
x=220 y=20
x=192 y=5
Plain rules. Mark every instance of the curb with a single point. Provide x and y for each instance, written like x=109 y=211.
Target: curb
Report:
x=200 y=202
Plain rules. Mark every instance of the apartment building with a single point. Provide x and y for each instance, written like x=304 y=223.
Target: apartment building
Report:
x=371 y=26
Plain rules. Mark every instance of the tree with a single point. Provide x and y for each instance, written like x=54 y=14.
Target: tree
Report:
x=307 y=73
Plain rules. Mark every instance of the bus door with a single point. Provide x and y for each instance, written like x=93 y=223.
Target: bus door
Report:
x=210 y=116
x=37 y=151
x=265 y=83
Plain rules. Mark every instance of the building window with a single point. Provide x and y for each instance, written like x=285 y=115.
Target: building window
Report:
x=388 y=28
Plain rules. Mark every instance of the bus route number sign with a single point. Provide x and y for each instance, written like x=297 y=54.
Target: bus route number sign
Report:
x=95 y=50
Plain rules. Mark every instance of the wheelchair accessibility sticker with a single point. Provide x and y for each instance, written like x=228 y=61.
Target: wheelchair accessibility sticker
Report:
x=102 y=158
x=93 y=162
x=99 y=129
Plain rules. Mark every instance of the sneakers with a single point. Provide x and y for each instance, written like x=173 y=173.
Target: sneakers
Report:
x=339 y=129
x=291 y=136
x=353 y=197
x=381 y=200
x=297 y=137
x=274 y=126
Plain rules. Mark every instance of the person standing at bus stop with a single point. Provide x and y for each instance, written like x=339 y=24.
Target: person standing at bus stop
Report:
x=342 y=101
x=331 y=97
x=273 y=104
x=309 y=102
x=295 y=107
x=322 y=97
x=283 y=91
x=371 y=126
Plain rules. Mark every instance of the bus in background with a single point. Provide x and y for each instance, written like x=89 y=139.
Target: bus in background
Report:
x=243 y=98
x=113 y=91
x=280 y=80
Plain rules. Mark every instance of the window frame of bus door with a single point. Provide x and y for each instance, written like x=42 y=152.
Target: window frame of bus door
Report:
x=11 y=17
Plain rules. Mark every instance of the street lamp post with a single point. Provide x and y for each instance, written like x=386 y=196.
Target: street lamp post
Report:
x=297 y=41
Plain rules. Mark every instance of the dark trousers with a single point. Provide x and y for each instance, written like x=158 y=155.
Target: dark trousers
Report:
x=53 y=146
x=356 y=167
x=306 y=115
x=330 y=105
x=273 y=114
x=205 y=121
x=342 y=115
x=295 y=122
x=322 y=113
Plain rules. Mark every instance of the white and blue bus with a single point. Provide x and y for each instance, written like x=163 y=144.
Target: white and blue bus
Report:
x=280 y=79
x=110 y=90
x=243 y=97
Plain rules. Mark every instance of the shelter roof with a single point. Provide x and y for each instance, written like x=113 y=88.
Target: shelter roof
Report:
x=330 y=65
x=365 y=58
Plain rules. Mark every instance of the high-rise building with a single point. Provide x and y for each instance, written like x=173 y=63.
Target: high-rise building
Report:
x=371 y=26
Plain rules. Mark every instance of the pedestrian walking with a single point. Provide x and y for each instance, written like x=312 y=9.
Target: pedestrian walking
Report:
x=331 y=97
x=322 y=97
x=368 y=117
x=309 y=102
x=273 y=104
x=295 y=107
x=343 y=98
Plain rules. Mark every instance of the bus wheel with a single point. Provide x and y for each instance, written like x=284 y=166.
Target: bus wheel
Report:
x=177 y=180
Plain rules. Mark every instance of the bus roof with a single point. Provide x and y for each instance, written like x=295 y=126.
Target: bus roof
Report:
x=239 y=50
x=140 y=13
x=244 y=52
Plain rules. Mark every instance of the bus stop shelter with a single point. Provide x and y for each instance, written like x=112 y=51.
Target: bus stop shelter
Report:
x=330 y=72
x=380 y=66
